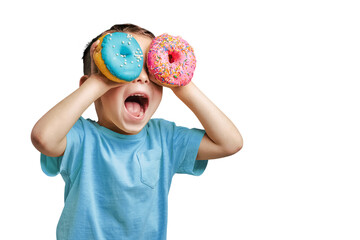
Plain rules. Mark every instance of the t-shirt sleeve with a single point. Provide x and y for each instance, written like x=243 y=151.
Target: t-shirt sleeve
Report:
x=67 y=163
x=186 y=143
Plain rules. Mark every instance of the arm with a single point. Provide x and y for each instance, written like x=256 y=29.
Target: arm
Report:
x=222 y=138
x=49 y=133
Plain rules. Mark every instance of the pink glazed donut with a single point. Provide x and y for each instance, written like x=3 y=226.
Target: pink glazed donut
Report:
x=171 y=60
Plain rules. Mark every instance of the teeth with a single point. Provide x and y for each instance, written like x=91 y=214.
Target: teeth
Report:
x=138 y=95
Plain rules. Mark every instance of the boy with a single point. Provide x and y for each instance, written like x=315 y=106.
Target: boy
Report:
x=118 y=171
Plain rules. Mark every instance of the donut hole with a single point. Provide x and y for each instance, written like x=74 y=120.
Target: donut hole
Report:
x=173 y=56
x=125 y=50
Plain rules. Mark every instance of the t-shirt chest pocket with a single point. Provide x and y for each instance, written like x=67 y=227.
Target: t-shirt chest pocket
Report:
x=149 y=162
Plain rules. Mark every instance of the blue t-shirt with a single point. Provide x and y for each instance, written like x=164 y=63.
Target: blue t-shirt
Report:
x=116 y=186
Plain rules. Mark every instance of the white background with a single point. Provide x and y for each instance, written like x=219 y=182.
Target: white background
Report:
x=285 y=72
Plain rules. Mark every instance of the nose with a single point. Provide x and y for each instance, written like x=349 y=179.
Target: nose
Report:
x=142 y=78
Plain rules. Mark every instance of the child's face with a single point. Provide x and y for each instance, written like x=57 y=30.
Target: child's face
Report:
x=128 y=108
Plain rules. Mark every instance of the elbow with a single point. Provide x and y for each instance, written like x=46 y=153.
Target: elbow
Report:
x=240 y=143
x=42 y=143
x=235 y=147
x=37 y=139
x=238 y=147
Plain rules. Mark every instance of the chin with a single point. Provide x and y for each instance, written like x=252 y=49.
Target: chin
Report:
x=131 y=124
x=137 y=112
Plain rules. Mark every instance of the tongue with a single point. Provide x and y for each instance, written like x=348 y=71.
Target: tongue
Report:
x=134 y=108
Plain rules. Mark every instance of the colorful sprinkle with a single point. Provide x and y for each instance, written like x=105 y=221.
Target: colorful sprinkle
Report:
x=182 y=62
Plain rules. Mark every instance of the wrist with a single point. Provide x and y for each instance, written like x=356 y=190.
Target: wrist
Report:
x=95 y=85
x=181 y=90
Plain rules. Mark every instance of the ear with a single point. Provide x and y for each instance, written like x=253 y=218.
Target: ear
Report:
x=83 y=79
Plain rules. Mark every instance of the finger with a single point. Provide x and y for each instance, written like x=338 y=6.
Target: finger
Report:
x=94 y=46
x=93 y=49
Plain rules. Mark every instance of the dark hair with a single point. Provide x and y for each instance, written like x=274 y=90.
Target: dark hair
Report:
x=128 y=28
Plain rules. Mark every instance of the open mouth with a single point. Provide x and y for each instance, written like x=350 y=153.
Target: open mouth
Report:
x=136 y=104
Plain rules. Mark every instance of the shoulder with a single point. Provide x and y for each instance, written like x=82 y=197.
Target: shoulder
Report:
x=83 y=123
x=161 y=128
x=87 y=124
x=83 y=127
x=168 y=128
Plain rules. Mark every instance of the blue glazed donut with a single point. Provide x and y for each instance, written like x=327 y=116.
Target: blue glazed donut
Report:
x=119 y=57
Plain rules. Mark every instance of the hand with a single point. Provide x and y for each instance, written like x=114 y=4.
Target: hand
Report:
x=95 y=73
x=172 y=87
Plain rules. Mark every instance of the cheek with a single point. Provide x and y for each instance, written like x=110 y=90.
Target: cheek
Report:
x=158 y=90
x=112 y=98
